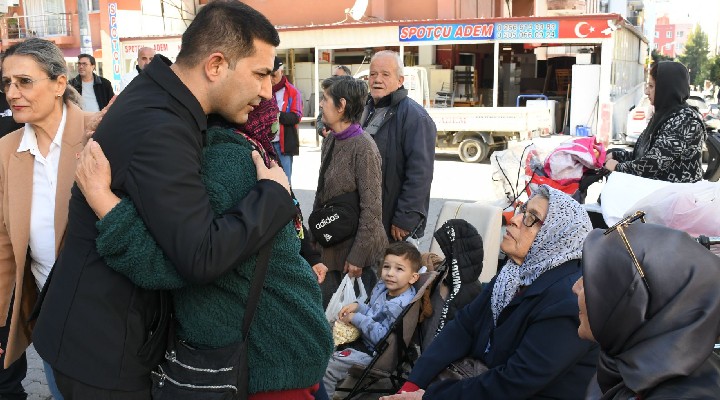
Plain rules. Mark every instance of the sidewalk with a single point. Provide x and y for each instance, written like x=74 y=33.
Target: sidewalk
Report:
x=35 y=383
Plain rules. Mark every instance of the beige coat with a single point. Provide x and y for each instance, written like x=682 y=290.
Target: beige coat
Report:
x=16 y=182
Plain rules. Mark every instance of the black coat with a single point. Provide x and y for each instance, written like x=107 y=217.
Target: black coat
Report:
x=700 y=385
x=406 y=141
x=7 y=123
x=95 y=325
x=101 y=86
x=535 y=352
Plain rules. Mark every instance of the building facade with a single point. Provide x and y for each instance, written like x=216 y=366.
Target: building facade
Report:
x=495 y=50
x=109 y=21
x=669 y=38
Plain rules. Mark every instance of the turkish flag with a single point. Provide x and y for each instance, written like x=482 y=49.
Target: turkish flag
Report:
x=587 y=28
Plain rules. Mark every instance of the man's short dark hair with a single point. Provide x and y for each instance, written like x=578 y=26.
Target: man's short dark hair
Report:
x=354 y=92
x=88 y=56
x=228 y=27
x=407 y=251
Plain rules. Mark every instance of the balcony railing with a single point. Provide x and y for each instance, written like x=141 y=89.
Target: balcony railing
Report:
x=42 y=25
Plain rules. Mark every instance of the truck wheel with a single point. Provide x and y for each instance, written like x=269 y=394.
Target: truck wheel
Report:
x=473 y=150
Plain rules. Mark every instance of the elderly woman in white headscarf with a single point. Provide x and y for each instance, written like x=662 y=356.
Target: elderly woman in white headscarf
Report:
x=649 y=297
x=523 y=326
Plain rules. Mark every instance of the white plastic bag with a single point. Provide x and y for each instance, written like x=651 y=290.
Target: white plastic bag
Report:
x=509 y=174
x=344 y=295
x=622 y=191
x=690 y=207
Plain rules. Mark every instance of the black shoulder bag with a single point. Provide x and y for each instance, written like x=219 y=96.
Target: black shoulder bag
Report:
x=188 y=373
x=337 y=219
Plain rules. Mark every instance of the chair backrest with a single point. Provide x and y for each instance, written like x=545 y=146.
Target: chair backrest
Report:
x=387 y=357
x=487 y=219
x=445 y=97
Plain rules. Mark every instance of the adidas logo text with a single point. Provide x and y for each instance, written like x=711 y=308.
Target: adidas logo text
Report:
x=327 y=220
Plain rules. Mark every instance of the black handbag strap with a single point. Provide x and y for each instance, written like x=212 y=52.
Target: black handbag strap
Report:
x=261 y=267
x=325 y=163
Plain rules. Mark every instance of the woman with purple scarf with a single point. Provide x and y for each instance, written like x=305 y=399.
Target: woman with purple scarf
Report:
x=353 y=164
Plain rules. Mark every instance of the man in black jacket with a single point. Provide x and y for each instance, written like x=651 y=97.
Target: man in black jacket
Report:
x=102 y=334
x=405 y=135
x=102 y=91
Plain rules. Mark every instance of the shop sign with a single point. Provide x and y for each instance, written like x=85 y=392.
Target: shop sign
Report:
x=527 y=30
x=164 y=48
x=422 y=33
x=114 y=45
x=574 y=28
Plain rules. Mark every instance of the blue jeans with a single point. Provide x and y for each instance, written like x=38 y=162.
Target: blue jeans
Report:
x=321 y=394
x=285 y=160
x=51 y=382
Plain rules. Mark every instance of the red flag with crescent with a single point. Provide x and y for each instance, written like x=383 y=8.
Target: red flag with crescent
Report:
x=587 y=28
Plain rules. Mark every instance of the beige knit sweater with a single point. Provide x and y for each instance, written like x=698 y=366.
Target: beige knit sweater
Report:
x=355 y=165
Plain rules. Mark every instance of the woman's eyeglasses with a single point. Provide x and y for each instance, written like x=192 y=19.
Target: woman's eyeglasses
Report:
x=529 y=218
x=22 y=84
x=620 y=228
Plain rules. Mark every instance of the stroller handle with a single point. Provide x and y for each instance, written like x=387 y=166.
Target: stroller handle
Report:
x=708 y=241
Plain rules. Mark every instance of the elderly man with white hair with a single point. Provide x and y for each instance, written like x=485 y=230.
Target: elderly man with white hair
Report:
x=405 y=135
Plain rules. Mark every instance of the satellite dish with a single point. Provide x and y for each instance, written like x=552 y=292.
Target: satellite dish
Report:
x=358 y=9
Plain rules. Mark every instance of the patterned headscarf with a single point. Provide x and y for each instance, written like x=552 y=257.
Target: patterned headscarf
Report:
x=261 y=127
x=559 y=240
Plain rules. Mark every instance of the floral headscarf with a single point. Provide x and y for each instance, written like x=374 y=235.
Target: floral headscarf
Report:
x=559 y=240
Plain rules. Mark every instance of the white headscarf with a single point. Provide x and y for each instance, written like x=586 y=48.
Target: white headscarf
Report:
x=559 y=240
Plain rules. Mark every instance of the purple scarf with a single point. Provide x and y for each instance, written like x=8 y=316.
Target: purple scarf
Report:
x=351 y=131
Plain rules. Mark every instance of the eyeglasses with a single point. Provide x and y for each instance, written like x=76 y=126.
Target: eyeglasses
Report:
x=620 y=228
x=529 y=218
x=22 y=84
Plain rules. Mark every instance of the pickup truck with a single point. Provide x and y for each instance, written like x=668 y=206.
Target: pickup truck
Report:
x=473 y=132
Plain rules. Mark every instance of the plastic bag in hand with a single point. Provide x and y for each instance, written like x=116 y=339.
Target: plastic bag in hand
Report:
x=344 y=295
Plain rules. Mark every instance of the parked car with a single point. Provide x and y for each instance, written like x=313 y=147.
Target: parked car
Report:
x=700 y=104
x=640 y=115
x=715 y=110
x=637 y=120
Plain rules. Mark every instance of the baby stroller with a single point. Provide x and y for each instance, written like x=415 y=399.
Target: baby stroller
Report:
x=571 y=168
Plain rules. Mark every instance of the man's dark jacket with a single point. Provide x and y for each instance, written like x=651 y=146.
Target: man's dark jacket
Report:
x=101 y=86
x=406 y=141
x=7 y=123
x=95 y=326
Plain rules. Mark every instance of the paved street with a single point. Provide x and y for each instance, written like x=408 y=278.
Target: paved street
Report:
x=453 y=180
x=35 y=383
